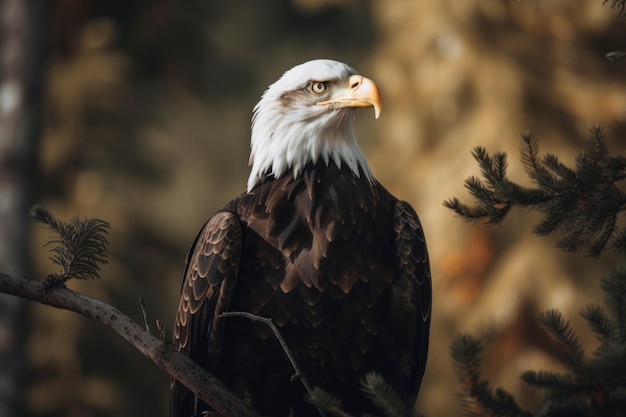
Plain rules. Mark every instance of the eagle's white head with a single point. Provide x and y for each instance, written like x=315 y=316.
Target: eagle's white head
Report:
x=307 y=115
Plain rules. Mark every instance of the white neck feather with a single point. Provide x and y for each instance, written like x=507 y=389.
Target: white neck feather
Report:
x=287 y=141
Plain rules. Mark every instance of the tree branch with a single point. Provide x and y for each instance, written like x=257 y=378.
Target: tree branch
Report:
x=269 y=323
x=207 y=387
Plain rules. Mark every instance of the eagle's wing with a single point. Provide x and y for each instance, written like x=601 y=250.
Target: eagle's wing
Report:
x=414 y=276
x=208 y=286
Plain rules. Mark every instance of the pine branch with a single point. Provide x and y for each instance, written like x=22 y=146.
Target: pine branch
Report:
x=80 y=249
x=386 y=398
x=208 y=388
x=614 y=286
x=562 y=383
x=599 y=322
x=80 y=246
x=561 y=329
x=327 y=402
x=378 y=390
x=609 y=366
x=477 y=396
x=583 y=203
x=620 y=4
x=592 y=387
x=466 y=353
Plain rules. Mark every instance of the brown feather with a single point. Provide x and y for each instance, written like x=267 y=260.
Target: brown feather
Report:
x=208 y=286
x=341 y=267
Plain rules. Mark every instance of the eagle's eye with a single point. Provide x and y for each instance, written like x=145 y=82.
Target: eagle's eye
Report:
x=318 y=87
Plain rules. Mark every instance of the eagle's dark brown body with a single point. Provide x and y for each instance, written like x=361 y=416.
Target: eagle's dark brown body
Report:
x=341 y=267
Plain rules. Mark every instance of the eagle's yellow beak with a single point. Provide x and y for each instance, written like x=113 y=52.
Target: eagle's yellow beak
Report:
x=360 y=92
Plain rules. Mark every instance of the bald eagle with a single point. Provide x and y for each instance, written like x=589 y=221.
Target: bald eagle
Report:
x=317 y=245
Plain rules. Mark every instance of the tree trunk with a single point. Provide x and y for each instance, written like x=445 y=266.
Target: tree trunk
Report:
x=23 y=29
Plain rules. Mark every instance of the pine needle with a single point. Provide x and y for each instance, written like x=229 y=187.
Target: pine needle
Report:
x=583 y=202
x=385 y=397
x=80 y=246
x=562 y=330
x=599 y=322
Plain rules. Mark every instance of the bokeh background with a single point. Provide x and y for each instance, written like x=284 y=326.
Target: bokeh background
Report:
x=146 y=117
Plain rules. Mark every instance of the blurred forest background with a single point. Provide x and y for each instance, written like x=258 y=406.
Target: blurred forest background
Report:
x=145 y=116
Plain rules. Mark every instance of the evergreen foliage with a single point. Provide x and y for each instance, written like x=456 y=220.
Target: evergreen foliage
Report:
x=592 y=387
x=620 y=4
x=583 y=202
x=382 y=395
x=80 y=246
x=386 y=398
x=326 y=401
x=477 y=397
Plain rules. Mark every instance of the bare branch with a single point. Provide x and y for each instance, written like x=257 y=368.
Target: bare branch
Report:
x=269 y=323
x=207 y=387
x=144 y=312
